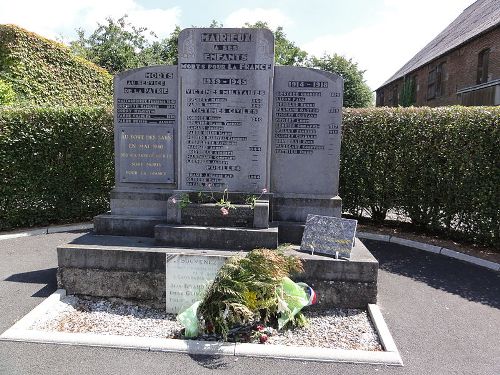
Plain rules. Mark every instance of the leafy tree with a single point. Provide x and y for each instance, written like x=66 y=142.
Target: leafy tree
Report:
x=286 y=52
x=119 y=45
x=166 y=50
x=356 y=91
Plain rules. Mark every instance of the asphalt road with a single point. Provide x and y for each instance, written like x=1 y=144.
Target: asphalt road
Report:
x=444 y=316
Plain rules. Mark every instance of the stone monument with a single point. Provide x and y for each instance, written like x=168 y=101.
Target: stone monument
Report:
x=224 y=151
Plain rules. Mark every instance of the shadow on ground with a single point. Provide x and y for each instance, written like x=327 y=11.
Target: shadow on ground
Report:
x=91 y=238
x=471 y=282
x=46 y=276
x=213 y=362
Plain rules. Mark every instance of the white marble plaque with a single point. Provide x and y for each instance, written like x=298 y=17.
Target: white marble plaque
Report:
x=329 y=235
x=187 y=277
x=225 y=88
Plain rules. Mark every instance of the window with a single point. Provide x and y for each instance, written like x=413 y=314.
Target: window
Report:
x=482 y=66
x=408 y=94
x=435 y=84
x=431 y=84
x=395 y=96
x=381 y=98
x=413 y=90
x=440 y=79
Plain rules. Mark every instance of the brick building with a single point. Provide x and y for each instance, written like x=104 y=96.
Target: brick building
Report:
x=460 y=66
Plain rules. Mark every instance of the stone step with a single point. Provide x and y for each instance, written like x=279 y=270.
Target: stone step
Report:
x=127 y=225
x=216 y=237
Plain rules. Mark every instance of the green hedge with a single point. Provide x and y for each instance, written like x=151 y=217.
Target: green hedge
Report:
x=43 y=72
x=56 y=165
x=438 y=166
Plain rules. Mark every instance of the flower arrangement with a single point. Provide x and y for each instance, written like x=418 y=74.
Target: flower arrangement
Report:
x=250 y=293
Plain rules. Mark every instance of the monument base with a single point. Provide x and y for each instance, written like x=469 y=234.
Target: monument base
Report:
x=296 y=207
x=127 y=225
x=134 y=211
x=191 y=236
x=135 y=268
x=139 y=201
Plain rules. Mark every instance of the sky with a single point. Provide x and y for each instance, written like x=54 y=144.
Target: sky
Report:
x=379 y=35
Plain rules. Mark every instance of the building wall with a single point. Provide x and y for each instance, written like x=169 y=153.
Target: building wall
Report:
x=460 y=71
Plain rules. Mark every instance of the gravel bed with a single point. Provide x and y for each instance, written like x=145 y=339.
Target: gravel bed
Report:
x=335 y=328
x=92 y=315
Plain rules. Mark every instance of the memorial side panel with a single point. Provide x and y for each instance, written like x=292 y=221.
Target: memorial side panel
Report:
x=307 y=117
x=146 y=124
x=226 y=87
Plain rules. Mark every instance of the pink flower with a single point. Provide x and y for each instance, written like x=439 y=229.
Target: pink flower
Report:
x=264 y=191
x=173 y=200
x=224 y=211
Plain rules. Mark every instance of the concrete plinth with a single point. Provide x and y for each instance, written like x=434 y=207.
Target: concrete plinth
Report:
x=134 y=268
x=296 y=207
x=216 y=238
x=139 y=203
x=126 y=225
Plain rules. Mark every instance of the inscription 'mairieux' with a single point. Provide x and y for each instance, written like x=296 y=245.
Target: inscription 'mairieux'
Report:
x=227 y=37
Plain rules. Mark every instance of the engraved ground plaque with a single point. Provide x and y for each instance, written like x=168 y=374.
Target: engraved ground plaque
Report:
x=225 y=88
x=329 y=235
x=307 y=120
x=145 y=124
x=187 y=277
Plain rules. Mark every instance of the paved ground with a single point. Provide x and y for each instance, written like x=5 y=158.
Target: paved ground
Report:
x=444 y=316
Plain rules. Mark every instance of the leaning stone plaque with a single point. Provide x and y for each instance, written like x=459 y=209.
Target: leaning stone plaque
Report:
x=187 y=277
x=307 y=120
x=145 y=124
x=329 y=235
x=226 y=78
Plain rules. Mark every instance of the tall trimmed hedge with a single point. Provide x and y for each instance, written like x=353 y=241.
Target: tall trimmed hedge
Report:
x=56 y=164
x=439 y=166
x=43 y=72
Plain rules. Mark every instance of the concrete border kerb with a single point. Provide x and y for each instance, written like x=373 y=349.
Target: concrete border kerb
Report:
x=431 y=249
x=20 y=332
x=47 y=230
x=363 y=235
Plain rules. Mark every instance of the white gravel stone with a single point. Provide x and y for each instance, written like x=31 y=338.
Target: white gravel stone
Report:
x=334 y=328
x=81 y=315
